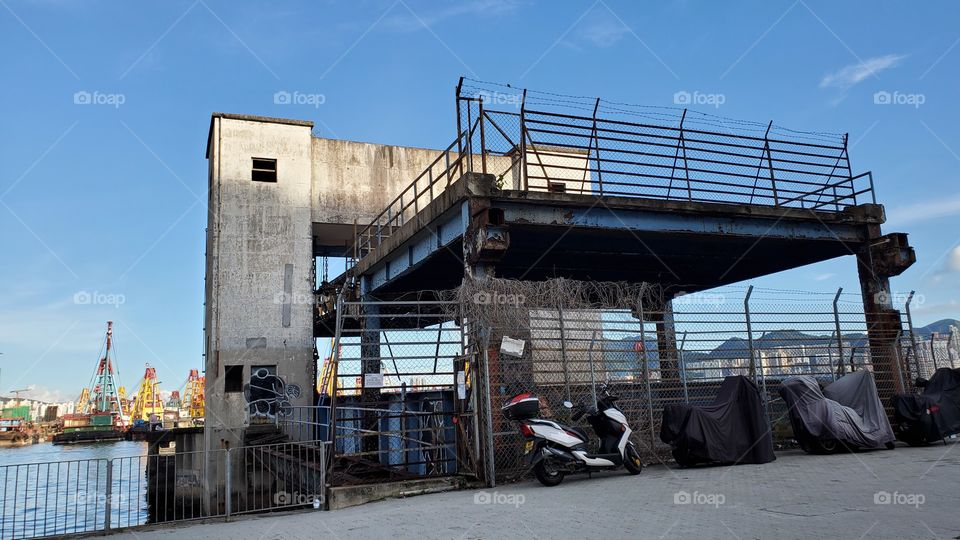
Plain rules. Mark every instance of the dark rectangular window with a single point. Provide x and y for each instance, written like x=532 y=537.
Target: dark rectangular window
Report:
x=233 y=378
x=264 y=170
x=557 y=187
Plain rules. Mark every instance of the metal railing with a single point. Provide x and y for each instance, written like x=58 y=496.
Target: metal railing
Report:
x=95 y=495
x=599 y=147
x=446 y=168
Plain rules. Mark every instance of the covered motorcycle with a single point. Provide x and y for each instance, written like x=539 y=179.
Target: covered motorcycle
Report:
x=846 y=414
x=731 y=430
x=931 y=415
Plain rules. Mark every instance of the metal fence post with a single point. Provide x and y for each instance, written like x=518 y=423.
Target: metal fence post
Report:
x=109 y=496
x=228 y=474
x=746 y=313
x=836 y=321
x=646 y=376
x=489 y=462
x=483 y=140
x=950 y=345
x=896 y=352
x=523 y=141
x=563 y=354
x=683 y=368
x=933 y=349
x=913 y=337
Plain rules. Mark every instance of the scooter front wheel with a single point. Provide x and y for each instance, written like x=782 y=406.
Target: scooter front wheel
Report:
x=631 y=460
x=546 y=476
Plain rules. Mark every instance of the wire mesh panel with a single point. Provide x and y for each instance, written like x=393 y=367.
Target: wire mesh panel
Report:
x=403 y=404
x=652 y=352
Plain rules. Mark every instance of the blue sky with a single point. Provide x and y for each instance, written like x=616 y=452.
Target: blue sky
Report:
x=102 y=204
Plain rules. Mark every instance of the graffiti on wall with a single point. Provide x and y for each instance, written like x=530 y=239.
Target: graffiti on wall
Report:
x=268 y=396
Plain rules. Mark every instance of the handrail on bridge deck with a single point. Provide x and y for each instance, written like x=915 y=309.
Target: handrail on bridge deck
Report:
x=674 y=157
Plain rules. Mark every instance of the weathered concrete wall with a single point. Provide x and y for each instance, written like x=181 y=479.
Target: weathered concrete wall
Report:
x=260 y=270
x=355 y=180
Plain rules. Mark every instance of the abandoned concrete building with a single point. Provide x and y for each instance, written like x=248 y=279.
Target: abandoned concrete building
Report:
x=530 y=191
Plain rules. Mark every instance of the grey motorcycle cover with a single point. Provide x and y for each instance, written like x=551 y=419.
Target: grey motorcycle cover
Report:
x=732 y=429
x=848 y=410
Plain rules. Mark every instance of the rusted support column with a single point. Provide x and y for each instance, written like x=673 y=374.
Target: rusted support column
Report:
x=881 y=258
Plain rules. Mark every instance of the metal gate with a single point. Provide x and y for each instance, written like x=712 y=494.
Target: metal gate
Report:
x=402 y=394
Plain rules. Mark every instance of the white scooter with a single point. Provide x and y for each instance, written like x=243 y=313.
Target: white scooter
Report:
x=554 y=450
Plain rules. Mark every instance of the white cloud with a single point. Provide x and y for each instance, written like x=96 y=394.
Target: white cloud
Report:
x=953 y=261
x=854 y=73
x=47 y=395
x=924 y=211
x=406 y=21
x=603 y=33
x=823 y=277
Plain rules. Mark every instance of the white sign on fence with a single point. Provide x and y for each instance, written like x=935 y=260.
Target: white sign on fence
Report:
x=373 y=380
x=511 y=347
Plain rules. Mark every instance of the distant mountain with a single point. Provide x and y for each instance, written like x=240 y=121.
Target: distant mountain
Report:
x=941 y=327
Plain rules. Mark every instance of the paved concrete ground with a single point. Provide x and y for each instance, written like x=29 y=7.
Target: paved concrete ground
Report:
x=904 y=493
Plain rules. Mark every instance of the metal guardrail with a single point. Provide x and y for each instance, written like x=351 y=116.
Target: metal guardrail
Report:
x=599 y=147
x=599 y=156
x=447 y=167
x=96 y=495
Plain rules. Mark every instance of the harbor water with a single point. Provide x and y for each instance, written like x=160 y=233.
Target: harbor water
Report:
x=50 y=490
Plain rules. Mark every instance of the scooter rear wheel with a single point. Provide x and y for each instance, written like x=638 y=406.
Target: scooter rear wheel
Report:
x=546 y=476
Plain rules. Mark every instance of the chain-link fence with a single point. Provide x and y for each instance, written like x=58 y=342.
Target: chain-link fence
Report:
x=564 y=338
x=401 y=399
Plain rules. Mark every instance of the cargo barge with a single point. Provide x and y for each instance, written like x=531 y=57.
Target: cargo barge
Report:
x=13 y=432
x=89 y=428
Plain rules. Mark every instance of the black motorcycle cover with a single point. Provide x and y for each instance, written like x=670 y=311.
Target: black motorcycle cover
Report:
x=936 y=411
x=733 y=429
x=848 y=410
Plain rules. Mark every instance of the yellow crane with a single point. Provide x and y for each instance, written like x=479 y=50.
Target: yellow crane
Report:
x=124 y=402
x=147 y=401
x=83 y=404
x=193 y=400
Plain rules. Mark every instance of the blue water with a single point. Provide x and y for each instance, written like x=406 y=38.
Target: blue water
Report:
x=48 y=490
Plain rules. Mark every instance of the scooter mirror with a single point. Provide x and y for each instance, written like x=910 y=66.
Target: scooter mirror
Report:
x=568 y=405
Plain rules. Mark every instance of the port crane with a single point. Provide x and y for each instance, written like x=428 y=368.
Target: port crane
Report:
x=147 y=400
